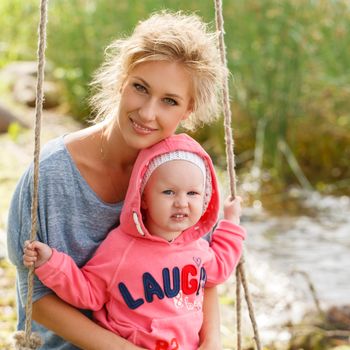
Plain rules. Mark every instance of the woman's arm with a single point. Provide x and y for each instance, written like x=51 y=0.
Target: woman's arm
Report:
x=76 y=328
x=210 y=338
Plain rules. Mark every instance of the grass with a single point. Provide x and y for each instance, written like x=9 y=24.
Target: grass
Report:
x=289 y=61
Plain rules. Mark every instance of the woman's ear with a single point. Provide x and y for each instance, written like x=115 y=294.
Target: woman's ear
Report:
x=189 y=110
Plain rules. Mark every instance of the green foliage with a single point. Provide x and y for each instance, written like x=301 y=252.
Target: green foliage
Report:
x=17 y=41
x=14 y=130
x=282 y=50
x=289 y=61
x=309 y=60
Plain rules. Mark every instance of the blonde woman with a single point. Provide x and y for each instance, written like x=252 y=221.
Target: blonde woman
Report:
x=165 y=74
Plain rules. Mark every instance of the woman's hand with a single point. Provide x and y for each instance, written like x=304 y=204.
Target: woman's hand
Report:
x=62 y=319
x=210 y=338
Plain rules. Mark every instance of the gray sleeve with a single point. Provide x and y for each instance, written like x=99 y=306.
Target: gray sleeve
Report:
x=18 y=231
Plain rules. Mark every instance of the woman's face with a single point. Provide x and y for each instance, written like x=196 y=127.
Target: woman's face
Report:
x=155 y=97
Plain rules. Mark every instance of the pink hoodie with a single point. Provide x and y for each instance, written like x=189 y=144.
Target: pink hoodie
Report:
x=142 y=287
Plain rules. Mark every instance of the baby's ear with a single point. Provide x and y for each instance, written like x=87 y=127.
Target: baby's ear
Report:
x=143 y=202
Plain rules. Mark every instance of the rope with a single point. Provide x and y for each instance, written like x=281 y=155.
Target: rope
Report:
x=249 y=304
x=238 y=309
x=240 y=273
x=33 y=341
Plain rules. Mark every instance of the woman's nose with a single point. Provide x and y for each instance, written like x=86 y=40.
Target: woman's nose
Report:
x=147 y=111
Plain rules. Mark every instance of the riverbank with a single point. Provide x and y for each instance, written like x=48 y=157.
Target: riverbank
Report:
x=298 y=268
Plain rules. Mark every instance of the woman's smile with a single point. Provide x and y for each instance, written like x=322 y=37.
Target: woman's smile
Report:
x=141 y=129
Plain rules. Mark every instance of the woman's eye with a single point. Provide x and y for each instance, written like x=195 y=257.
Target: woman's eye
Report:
x=170 y=101
x=139 y=87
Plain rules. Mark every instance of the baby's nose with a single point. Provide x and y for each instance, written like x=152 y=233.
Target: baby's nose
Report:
x=181 y=201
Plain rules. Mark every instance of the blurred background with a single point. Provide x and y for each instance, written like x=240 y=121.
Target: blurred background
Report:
x=290 y=92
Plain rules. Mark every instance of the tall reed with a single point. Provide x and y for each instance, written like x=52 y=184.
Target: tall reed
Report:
x=289 y=63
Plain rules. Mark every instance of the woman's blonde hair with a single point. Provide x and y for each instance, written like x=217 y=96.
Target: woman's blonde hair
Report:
x=168 y=36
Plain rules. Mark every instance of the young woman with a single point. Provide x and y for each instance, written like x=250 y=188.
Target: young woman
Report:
x=166 y=73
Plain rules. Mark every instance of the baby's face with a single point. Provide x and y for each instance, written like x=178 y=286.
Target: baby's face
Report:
x=173 y=198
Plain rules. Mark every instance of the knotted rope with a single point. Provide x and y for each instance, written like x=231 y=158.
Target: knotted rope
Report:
x=26 y=340
x=240 y=272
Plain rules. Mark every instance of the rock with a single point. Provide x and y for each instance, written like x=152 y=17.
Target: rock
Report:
x=15 y=70
x=7 y=117
x=24 y=91
x=328 y=332
x=21 y=78
x=338 y=317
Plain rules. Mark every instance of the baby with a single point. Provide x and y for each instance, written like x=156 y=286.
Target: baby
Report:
x=145 y=281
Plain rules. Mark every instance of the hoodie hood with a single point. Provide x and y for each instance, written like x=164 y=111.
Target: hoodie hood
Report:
x=131 y=217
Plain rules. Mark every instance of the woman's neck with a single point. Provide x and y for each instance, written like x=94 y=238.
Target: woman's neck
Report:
x=114 y=151
x=103 y=159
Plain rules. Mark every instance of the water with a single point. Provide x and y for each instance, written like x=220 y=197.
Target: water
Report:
x=318 y=245
x=278 y=247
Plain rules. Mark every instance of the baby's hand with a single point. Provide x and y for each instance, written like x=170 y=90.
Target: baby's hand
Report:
x=232 y=209
x=36 y=253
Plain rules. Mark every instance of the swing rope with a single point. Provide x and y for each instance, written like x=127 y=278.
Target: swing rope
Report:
x=26 y=340
x=240 y=272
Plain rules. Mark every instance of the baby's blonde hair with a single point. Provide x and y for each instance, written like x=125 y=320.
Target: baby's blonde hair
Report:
x=165 y=36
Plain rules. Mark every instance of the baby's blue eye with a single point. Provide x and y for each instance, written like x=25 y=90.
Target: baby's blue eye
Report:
x=192 y=193
x=169 y=192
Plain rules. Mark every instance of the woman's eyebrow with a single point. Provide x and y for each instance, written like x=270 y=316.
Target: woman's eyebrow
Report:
x=143 y=81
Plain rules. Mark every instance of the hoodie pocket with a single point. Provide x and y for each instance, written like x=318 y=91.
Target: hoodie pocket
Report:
x=173 y=333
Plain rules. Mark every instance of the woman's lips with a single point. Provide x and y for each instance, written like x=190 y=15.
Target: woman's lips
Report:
x=141 y=129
